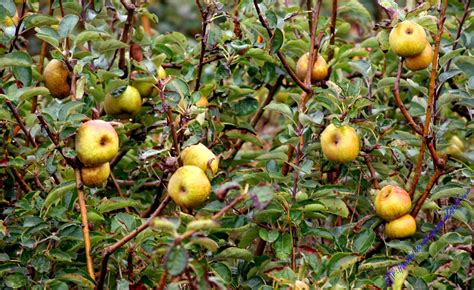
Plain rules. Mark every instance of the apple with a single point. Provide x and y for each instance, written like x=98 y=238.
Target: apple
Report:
x=455 y=147
x=202 y=102
x=200 y=156
x=123 y=103
x=300 y=285
x=340 y=144
x=320 y=68
x=392 y=202
x=401 y=227
x=189 y=186
x=407 y=38
x=56 y=79
x=96 y=143
x=420 y=61
x=95 y=176
x=146 y=86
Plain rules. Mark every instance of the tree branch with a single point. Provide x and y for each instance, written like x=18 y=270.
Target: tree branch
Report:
x=368 y=161
x=332 y=30
x=204 y=15
x=18 y=26
x=426 y=192
x=130 y=7
x=15 y=113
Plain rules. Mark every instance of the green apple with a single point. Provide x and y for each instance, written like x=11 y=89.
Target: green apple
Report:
x=407 y=38
x=402 y=227
x=420 y=61
x=123 y=104
x=146 y=86
x=200 y=156
x=96 y=143
x=320 y=68
x=56 y=79
x=455 y=147
x=340 y=144
x=95 y=176
x=392 y=202
x=189 y=186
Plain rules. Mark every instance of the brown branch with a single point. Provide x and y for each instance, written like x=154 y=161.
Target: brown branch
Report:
x=401 y=106
x=18 y=26
x=169 y=118
x=426 y=192
x=332 y=30
x=15 y=113
x=85 y=223
x=286 y=166
x=111 y=249
x=359 y=224
x=431 y=97
x=279 y=53
x=130 y=7
x=205 y=20
x=368 y=161
x=20 y=179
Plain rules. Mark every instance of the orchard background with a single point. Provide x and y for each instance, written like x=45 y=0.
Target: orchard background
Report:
x=280 y=215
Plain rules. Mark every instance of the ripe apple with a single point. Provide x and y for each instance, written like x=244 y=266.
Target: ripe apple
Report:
x=320 y=68
x=401 y=227
x=392 y=202
x=340 y=144
x=56 y=79
x=407 y=38
x=95 y=176
x=146 y=86
x=202 y=102
x=199 y=155
x=96 y=143
x=455 y=147
x=123 y=103
x=420 y=61
x=189 y=186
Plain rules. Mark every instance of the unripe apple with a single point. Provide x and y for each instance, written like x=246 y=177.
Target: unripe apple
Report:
x=189 y=186
x=200 y=156
x=95 y=176
x=392 y=202
x=319 y=71
x=420 y=61
x=146 y=87
x=96 y=143
x=401 y=227
x=56 y=79
x=455 y=147
x=340 y=144
x=123 y=104
x=407 y=38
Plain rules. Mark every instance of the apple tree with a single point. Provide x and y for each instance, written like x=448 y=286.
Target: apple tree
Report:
x=236 y=144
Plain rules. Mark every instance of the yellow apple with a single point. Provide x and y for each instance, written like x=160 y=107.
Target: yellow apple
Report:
x=96 y=143
x=320 y=68
x=95 y=176
x=407 y=38
x=202 y=102
x=200 y=156
x=56 y=79
x=340 y=144
x=455 y=147
x=189 y=186
x=125 y=105
x=401 y=227
x=300 y=285
x=392 y=202
x=420 y=61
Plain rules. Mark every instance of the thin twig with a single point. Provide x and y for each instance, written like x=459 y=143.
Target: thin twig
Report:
x=332 y=30
x=426 y=192
x=204 y=14
x=15 y=113
x=368 y=161
x=169 y=118
x=18 y=26
x=130 y=7
x=431 y=97
x=85 y=223
x=20 y=179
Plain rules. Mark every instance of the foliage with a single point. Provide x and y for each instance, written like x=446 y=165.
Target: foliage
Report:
x=296 y=216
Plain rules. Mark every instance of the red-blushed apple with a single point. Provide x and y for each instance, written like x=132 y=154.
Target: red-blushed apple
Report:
x=340 y=144
x=402 y=227
x=189 y=186
x=392 y=202
x=96 y=143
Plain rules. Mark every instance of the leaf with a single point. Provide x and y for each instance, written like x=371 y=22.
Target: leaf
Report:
x=261 y=196
x=27 y=93
x=201 y=224
x=236 y=134
x=341 y=261
x=277 y=41
x=280 y=108
x=39 y=20
x=56 y=194
x=109 y=45
x=67 y=25
x=283 y=246
x=235 y=253
x=268 y=236
x=176 y=260
x=259 y=54
x=448 y=75
x=9 y=6
x=14 y=59
x=16 y=280
x=335 y=206
x=363 y=241
x=205 y=242
x=77 y=279
x=22 y=74
x=115 y=203
x=356 y=8
x=90 y=35
x=68 y=108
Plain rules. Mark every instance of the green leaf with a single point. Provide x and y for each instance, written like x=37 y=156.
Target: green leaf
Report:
x=205 y=242
x=277 y=41
x=27 y=93
x=236 y=134
x=340 y=262
x=67 y=25
x=90 y=35
x=16 y=280
x=283 y=246
x=57 y=194
x=9 y=7
x=259 y=54
x=15 y=59
x=77 y=279
x=269 y=236
x=235 y=253
x=109 y=45
x=39 y=20
x=262 y=196
x=176 y=260
x=356 y=8
x=115 y=203
x=363 y=241
x=280 y=108
x=335 y=206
